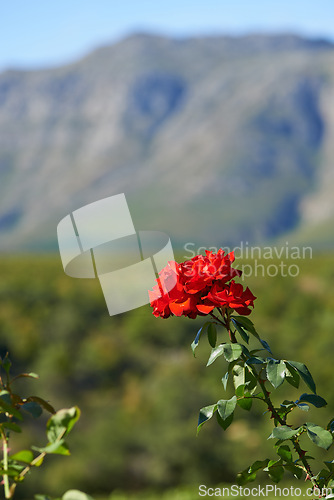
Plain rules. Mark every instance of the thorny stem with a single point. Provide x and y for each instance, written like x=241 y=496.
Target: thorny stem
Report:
x=301 y=454
x=270 y=405
x=295 y=442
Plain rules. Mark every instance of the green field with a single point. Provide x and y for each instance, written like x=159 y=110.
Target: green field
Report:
x=140 y=388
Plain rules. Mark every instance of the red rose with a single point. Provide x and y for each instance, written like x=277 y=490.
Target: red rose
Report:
x=197 y=286
x=232 y=295
x=201 y=271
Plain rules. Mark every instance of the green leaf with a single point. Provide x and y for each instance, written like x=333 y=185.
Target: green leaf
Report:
x=11 y=471
x=25 y=456
x=12 y=426
x=244 y=335
x=42 y=497
x=255 y=351
x=57 y=448
x=285 y=453
x=245 y=351
x=288 y=404
x=38 y=463
x=6 y=397
x=60 y=424
x=292 y=376
x=26 y=375
x=224 y=423
x=251 y=381
x=276 y=473
x=275 y=372
x=232 y=352
x=296 y=471
x=245 y=323
x=330 y=425
x=76 y=495
x=212 y=334
x=265 y=345
x=321 y=479
x=238 y=375
x=33 y=408
x=6 y=364
x=303 y=406
x=314 y=399
x=258 y=464
x=8 y=408
x=215 y=353
x=61 y=450
x=198 y=336
x=271 y=463
x=330 y=465
x=245 y=477
x=44 y=404
x=240 y=390
x=319 y=436
x=283 y=432
x=255 y=360
x=304 y=373
x=225 y=380
x=204 y=415
x=226 y=407
x=246 y=402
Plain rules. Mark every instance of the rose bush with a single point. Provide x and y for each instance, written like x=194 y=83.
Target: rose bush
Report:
x=205 y=286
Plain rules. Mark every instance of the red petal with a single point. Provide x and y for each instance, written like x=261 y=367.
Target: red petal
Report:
x=202 y=308
x=178 y=308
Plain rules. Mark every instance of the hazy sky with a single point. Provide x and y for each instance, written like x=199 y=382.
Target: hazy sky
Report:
x=35 y=33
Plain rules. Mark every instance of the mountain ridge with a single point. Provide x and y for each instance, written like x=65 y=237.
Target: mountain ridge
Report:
x=212 y=139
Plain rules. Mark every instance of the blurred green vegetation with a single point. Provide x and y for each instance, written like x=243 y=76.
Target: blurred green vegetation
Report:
x=140 y=388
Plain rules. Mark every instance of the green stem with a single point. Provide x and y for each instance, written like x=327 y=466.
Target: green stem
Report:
x=39 y=457
x=32 y=464
x=218 y=319
x=5 y=464
x=270 y=405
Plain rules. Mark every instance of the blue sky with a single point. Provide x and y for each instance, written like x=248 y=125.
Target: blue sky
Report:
x=37 y=33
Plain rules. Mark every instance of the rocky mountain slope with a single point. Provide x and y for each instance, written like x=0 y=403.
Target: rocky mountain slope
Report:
x=213 y=140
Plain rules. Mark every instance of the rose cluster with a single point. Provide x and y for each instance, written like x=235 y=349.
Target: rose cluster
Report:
x=197 y=286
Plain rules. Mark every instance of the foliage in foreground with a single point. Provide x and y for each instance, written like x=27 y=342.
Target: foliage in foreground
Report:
x=14 y=410
x=136 y=384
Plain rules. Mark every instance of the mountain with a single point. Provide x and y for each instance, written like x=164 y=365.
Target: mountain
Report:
x=213 y=140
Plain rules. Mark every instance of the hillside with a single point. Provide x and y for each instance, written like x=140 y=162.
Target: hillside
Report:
x=140 y=388
x=213 y=140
